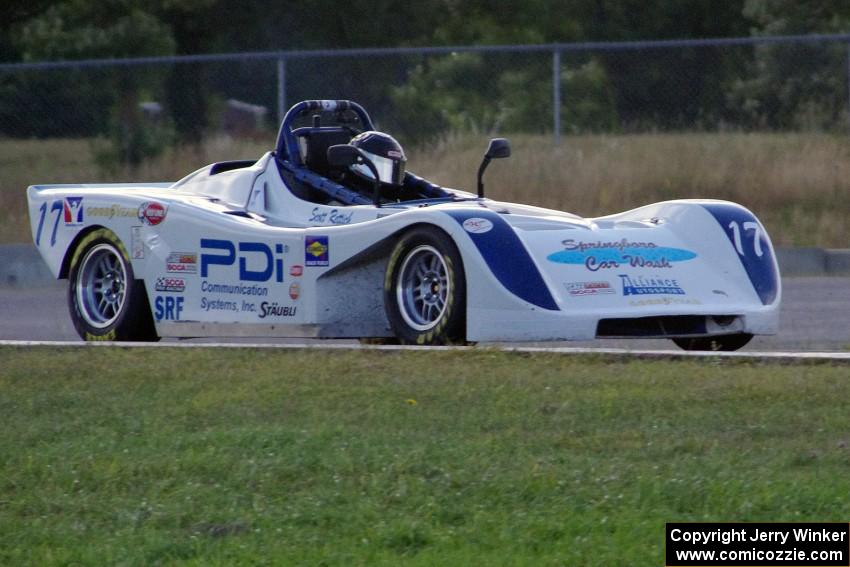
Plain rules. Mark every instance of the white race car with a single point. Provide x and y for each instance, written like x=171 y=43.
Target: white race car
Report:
x=327 y=236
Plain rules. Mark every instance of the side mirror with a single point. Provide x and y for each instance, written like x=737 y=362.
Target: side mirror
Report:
x=498 y=148
x=344 y=155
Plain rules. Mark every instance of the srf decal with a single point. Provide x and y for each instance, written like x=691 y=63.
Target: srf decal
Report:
x=168 y=308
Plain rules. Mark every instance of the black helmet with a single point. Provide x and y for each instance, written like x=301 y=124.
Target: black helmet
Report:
x=385 y=152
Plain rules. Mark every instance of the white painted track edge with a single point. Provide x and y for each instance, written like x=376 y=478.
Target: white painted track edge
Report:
x=842 y=357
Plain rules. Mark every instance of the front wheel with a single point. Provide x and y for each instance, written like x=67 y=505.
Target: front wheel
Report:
x=718 y=343
x=425 y=289
x=106 y=302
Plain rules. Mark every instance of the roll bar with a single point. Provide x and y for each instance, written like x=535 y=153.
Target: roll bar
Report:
x=287 y=143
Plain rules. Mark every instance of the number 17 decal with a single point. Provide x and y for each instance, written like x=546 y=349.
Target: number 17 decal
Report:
x=736 y=236
x=57 y=207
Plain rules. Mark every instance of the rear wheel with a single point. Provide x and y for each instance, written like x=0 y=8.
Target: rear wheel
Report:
x=718 y=343
x=425 y=289
x=106 y=302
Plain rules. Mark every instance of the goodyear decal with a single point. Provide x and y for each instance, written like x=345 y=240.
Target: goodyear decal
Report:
x=506 y=256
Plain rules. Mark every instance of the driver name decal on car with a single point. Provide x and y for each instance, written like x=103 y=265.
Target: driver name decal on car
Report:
x=316 y=251
x=334 y=216
x=620 y=253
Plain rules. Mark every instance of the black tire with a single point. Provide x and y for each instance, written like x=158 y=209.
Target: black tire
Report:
x=106 y=302
x=425 y=289
x=718 y=343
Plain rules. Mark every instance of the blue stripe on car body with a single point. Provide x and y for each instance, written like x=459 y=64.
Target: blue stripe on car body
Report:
x=508 y=259
x=737 y=222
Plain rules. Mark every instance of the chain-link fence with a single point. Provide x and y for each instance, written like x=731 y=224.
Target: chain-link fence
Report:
x=766 y=83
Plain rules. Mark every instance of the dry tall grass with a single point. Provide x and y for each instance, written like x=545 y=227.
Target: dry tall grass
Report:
x=32 y=162
x=798 y=184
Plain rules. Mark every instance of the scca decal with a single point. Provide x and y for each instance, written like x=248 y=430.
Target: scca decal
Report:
x=256 y=251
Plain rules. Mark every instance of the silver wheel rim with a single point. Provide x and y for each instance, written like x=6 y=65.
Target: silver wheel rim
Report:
x=423 y=288
x=101 y=286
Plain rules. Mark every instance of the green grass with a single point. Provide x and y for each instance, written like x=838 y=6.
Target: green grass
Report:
x=204 y=457
x=798 y=184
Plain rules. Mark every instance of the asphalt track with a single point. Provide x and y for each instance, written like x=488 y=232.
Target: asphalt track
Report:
x=815 y=318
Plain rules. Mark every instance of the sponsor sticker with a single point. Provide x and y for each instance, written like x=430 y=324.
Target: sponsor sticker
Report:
x=235 y=288
x=664 y=301
x=275 y=310
x=638 y=285
x=257 y=261
x=152 y=213
x=181 y=263
x=581 y=289
x=111 y=211
x=602 y=255
x=294 y=291
x=72 y=211
x=168 y=308
x=208 y=304
x=296 y=271
x=136 y=243
x=176 y=285
x=477 y=225
x=316 y=251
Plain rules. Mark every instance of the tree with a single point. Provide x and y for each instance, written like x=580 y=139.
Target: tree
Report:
x=795 y=85
x=77 y=29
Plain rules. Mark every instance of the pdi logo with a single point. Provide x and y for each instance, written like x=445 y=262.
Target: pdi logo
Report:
x=257 y=262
